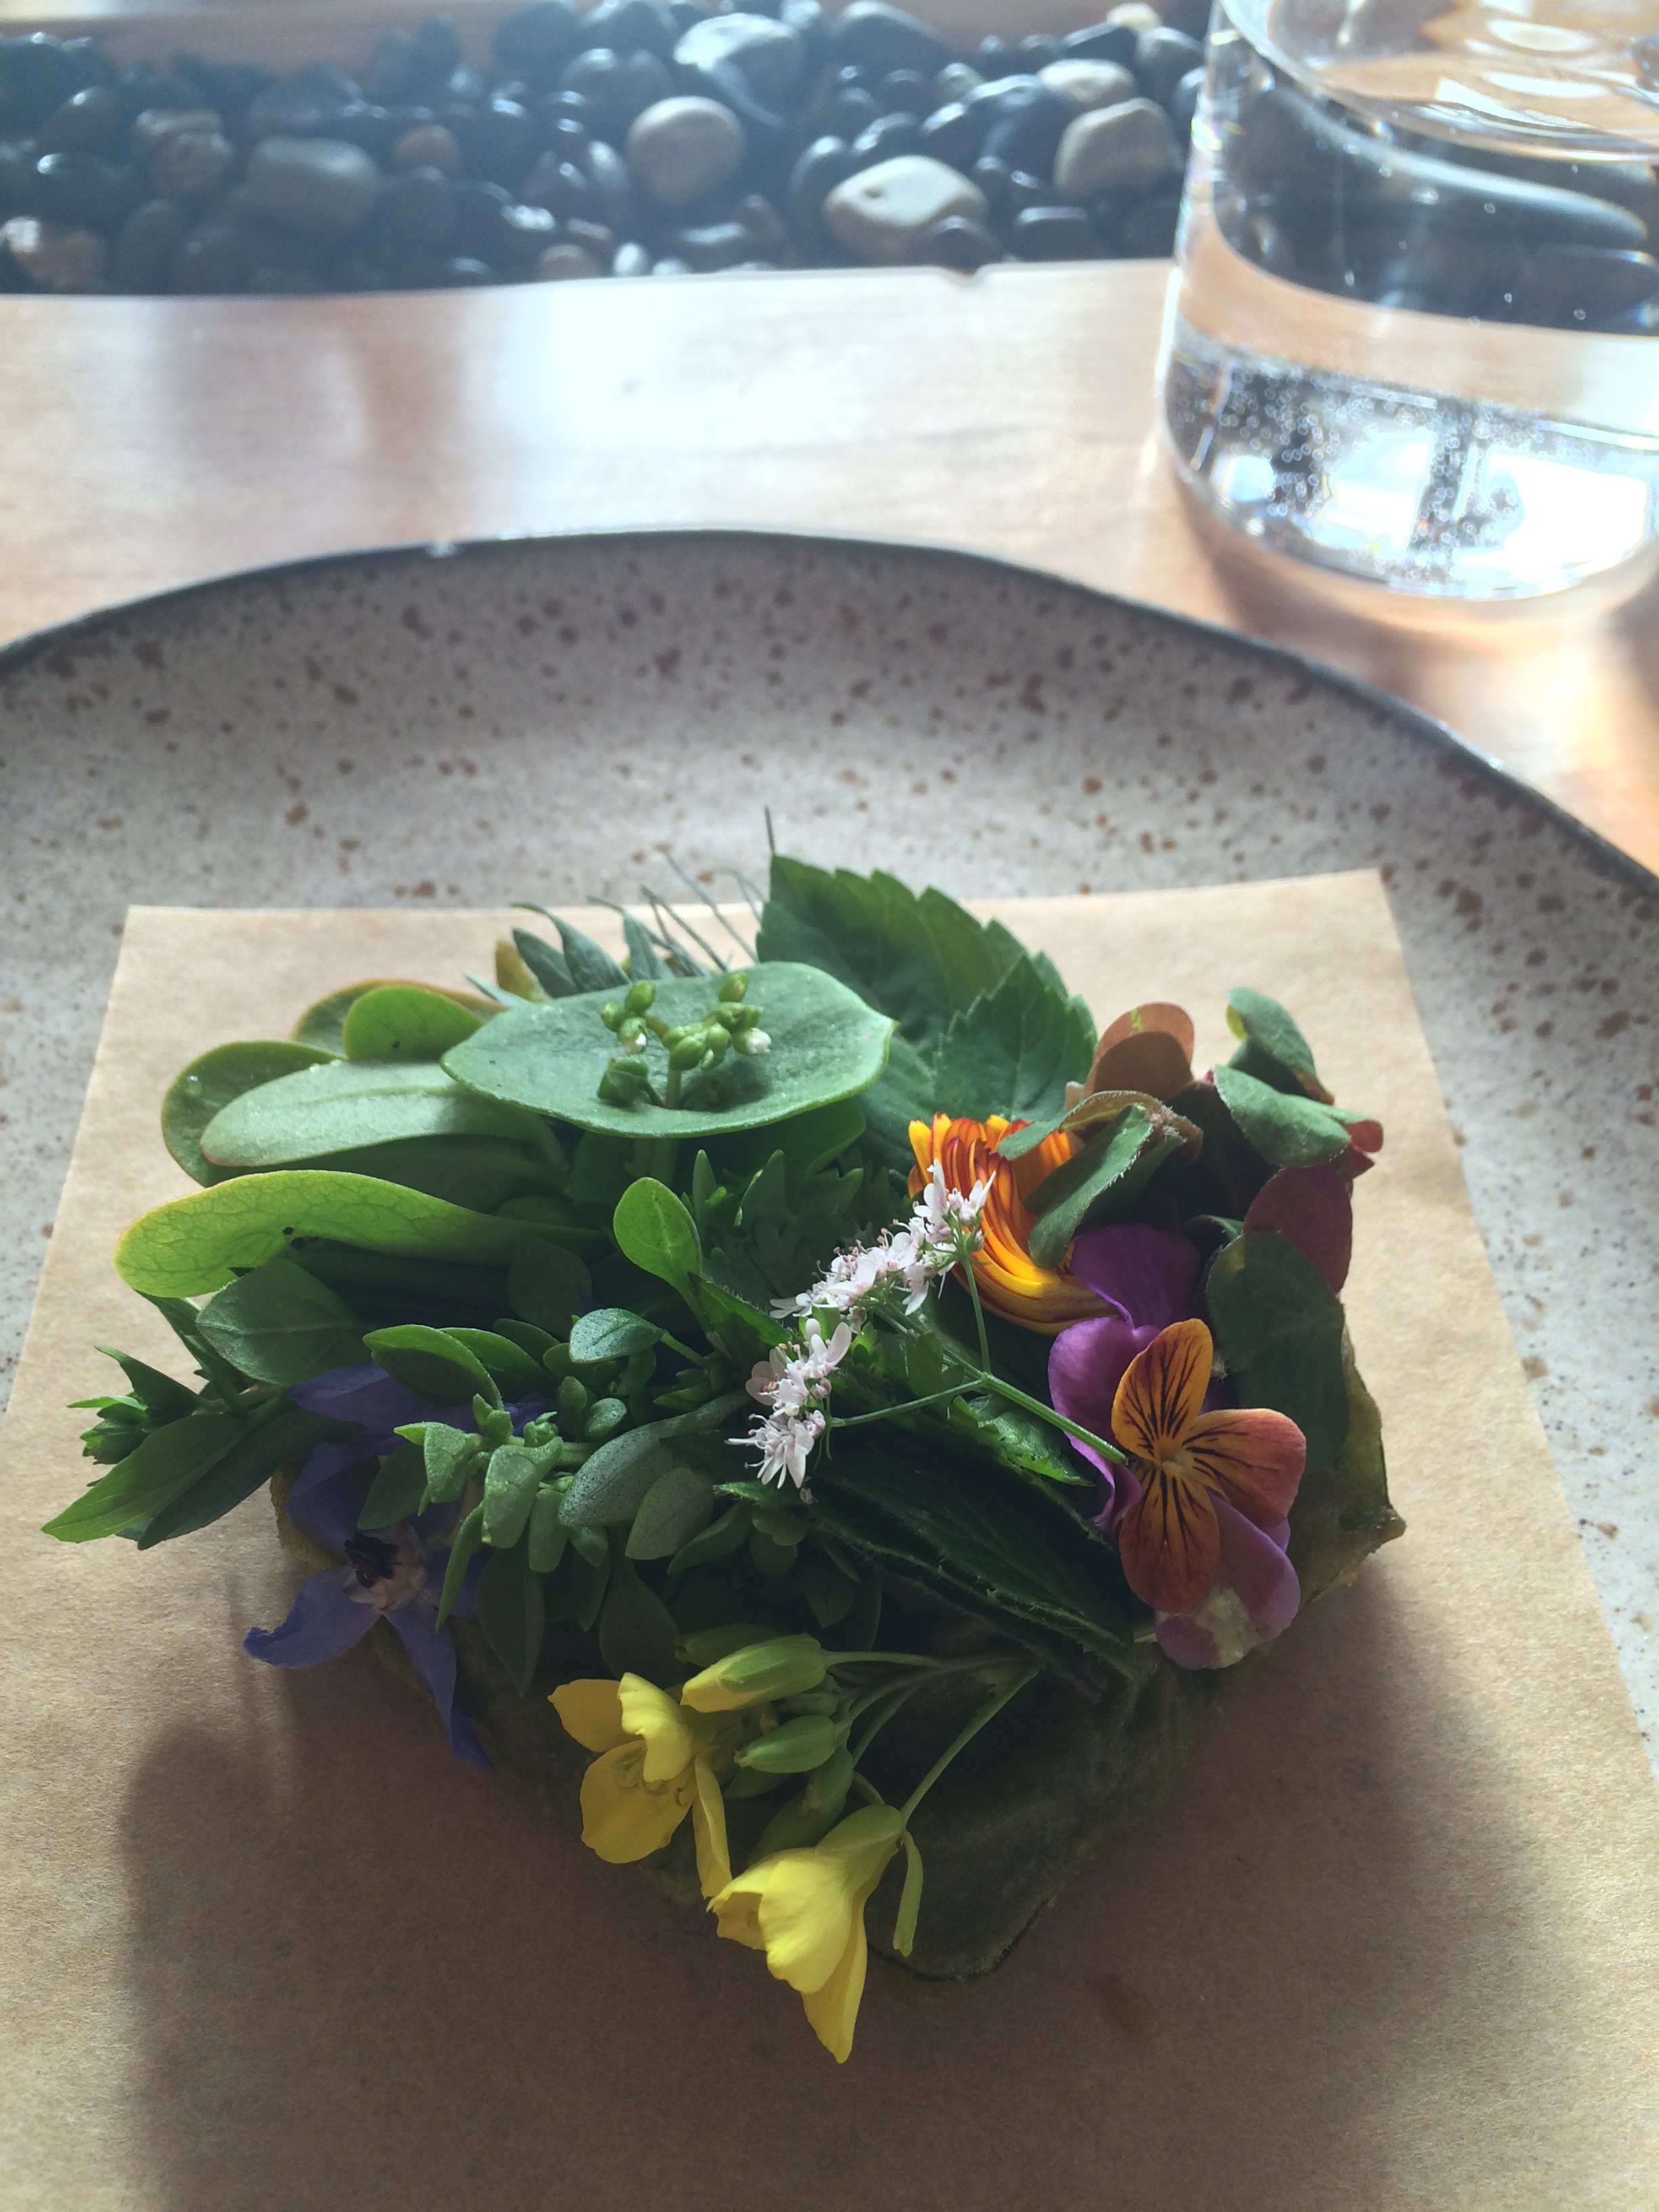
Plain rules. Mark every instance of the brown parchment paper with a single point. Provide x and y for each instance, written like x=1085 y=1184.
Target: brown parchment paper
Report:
x=267 y=1946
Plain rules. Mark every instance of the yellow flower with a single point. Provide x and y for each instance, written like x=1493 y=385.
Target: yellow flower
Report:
x=656 y=1763
x=805 y=1909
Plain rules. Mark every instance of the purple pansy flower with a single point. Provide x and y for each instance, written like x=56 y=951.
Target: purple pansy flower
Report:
x=1150 y=1278
x=392 y=1574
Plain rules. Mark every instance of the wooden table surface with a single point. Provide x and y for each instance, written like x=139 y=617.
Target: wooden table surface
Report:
x=150 y=443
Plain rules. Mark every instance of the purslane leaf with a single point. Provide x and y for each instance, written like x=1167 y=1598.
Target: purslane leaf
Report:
x=210 y=1082
x=404 y=1021
x=342 y=1105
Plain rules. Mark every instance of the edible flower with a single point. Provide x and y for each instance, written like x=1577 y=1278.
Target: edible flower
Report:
x=394 y=1574
x=805 y=1909
x=1202 y=1534
x=656 y=1763
x=1009 y=1280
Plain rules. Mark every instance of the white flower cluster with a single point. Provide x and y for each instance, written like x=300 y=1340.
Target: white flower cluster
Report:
x=943 y=1232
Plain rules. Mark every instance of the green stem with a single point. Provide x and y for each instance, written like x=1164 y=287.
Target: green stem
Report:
x=1047 y=1412
x=886 y=1413
x=896 y=1695
x=988 y=1711
x=672 y=1087
x=902 y=1659
x=979 y=1316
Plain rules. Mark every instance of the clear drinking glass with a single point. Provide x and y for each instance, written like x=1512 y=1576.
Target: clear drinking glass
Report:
x=1415 y=333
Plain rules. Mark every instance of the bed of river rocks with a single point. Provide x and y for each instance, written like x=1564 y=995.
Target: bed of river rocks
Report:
x=647 y=137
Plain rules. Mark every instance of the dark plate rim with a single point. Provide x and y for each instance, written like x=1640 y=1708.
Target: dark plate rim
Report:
x=1439 y=736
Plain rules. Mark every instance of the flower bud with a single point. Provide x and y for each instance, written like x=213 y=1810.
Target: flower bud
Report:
x=688 y=1052
x=611 y=1015
x=795 y=1748
x=752 y=1041
x=734 y=988
x=641 y=998
x=781 y=1667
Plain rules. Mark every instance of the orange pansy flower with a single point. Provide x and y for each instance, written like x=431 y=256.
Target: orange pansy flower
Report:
x=1011 y=1283
x=1169 y=1539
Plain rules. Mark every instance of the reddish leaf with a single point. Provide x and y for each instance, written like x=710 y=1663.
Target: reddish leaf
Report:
x=1310 y=1208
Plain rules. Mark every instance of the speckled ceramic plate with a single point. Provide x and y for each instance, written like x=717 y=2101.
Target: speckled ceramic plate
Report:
x=548 y=718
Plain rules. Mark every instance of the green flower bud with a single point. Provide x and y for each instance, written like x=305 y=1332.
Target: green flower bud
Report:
x=734 y=988
x=641 y=998
x=795 y=1748
x=781 y=1667
x=688 y=1052
x=703 y=1646
x=611 y=1015
x=826 y=1790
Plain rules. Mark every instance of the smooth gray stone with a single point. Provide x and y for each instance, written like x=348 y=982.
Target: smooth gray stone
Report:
x=1087 y=85
x=322 y=185
x=1288 y=145
x=682 y=148
x=145 y=246
x=1112 y=147
x=880 y=213
x=874 y=36
x=771 y=55
x=57 y=256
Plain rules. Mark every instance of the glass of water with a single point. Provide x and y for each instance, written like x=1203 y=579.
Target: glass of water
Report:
x=1414 y=335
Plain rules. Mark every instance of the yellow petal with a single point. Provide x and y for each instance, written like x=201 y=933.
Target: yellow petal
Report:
x=709 y=1828
x=653 y=1715
x=808 y=1900
x=833 y=2011
x=592 y=1712
x=623 y=1819
x=736 y=1912
x=1161 y=1392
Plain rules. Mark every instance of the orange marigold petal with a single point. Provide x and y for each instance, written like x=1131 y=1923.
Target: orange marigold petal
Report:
x=1163 y=1390
x=1170 y=1543
x=1255 y=1457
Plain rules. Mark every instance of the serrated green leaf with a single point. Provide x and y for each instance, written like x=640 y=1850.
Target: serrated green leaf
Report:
x=210 y=1082
x=279 y=1324
x=1013 y=1051
x=404 y=1021
x=679 y=1503
x=1279 y=1328
x=1290 y=1131
x=1101 y=1182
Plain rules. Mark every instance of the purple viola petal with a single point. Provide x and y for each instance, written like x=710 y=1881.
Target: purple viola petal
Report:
x=1148 y=1274
x=1085 y=1366
x=323 y=1502
x=323 y=1622
x=1255 y=1596
x=365 y=1393
x=432 y=1655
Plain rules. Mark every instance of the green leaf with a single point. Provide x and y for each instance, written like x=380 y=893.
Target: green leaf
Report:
x=919 y=960
x=509 y=1363
x=655 y=1230
x=511 y=1481
x=468 y=1537
x=807 y=1142
x=160 y=1396
x=448 y=1457
x=546 y=1285
x=1063 y=1199
x=1279 y=1326
x=636 y=1630
x=1019 y=1440
x=592 y=968
x=340 y=1105
x=1273 y=1048
x=324 y=1024
x=195 y=1244
x=904 y=1093
x=679 y=1503
x=431 y=1362
x=1290 y=1132
x=826 y=1045
x=404 y=1021
x=1342 y=1513
x=718 y=1539
x=643 y=963
x=210 y=1083
x=548 y=1535
x=512 y=1615
x=1014 y=1050
x=284 y=1439
x=611 y=1482
x=610 y=1332
x=485 y=1174
x=398 y=1491
x=546 y=965
x=1033 y=1558
x=164 y=1466
x=279 y=1324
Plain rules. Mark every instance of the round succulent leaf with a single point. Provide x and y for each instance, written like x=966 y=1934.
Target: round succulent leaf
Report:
x=610 y=1332
x=201 y=1091
x=324 y=1024
x=342 y=1105
x=826 y=1044
x=679 y=1506
x=404 y=1021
